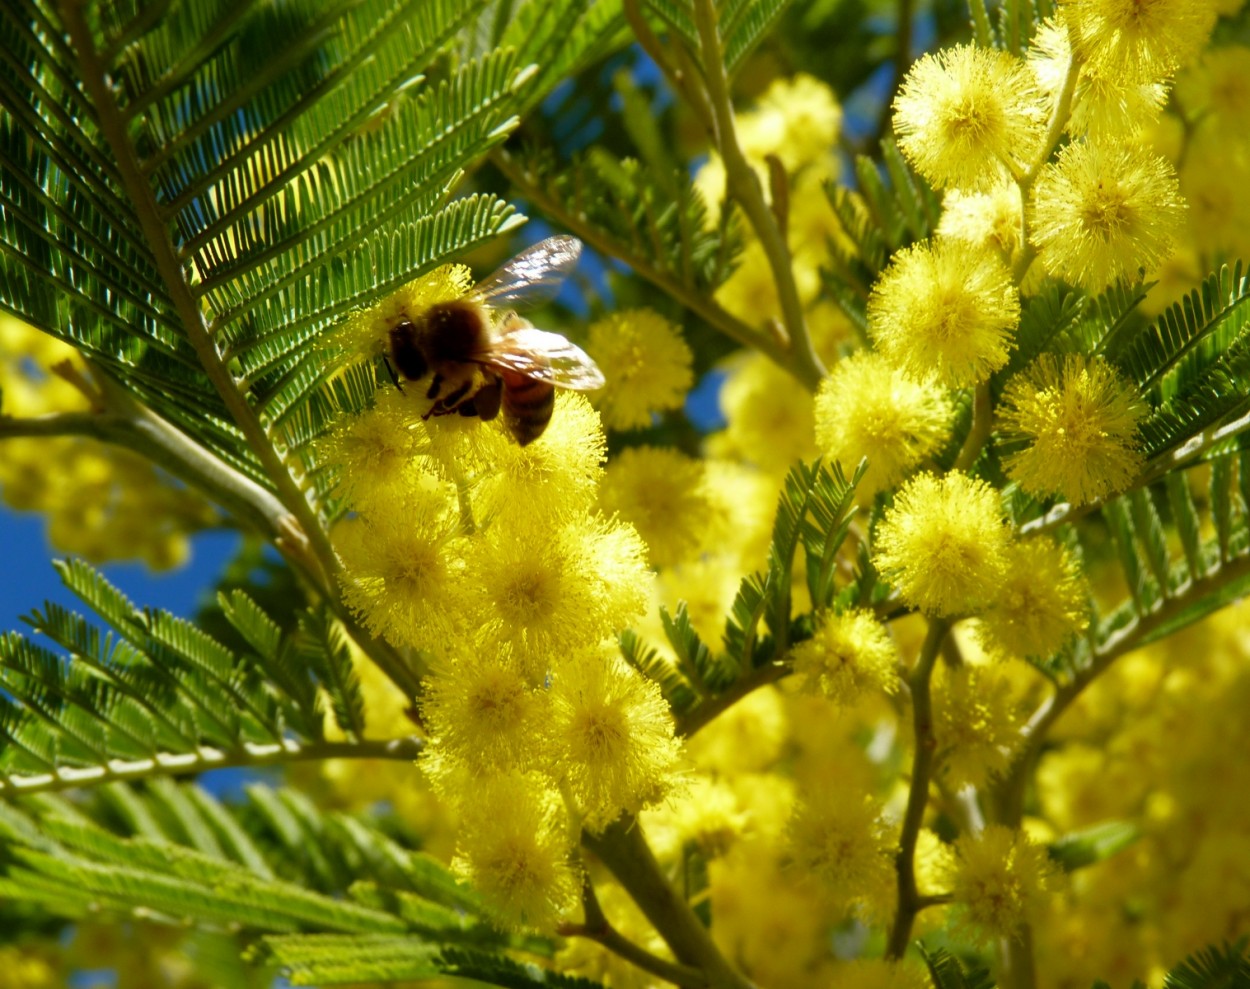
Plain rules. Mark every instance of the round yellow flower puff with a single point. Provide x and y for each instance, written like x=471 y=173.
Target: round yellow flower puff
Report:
x=1213 y=180
x=1080 y=420
x=665 y=494
x=647 y=365
x=705 y=813
x=1138 y=40
x=869 y=408
x=1105 y=104
x=849 y=655
x=555 y=478
x=990 y=219
x=1043 y=603
x=1102 y=212
x=1002 y=880
x=553 y=593
x=966 y=117
x=486 y=716
x=612 y=731
x=844 y=844
x=942 y=309
x=515 y=848
x=944 y=544
x=403 y=571
x=374 y=453
x=976 y=723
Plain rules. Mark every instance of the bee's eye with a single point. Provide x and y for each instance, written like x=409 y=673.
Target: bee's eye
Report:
x=409 y=360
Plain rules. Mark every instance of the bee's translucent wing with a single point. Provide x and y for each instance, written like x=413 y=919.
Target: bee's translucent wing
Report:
x=546 y=357
x=532 y=276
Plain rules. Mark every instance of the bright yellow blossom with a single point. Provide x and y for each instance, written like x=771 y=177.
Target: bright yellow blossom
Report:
x=868 y=408
x=850 y=654
x=515 y=848
x=976 y=723
x=613 y=734
x=943 y=544
x=1001 y=879
x=942 y=309
x=647 y=365
x=1080 y=420
x=1043 y=603
x=967 y=116
x=842 y=842
x=664 y=493
x=1139 y=40
x=1102 y=213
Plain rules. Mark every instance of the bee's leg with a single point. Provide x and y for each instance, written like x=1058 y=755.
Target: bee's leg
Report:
x=391 y=371
x=435 y=385
x=488 y=399
x=454 y=398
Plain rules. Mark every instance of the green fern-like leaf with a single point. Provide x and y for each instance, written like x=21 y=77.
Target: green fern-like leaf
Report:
x=1227 y=967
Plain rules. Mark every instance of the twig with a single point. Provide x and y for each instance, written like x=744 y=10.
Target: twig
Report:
x=623 y=849
x=599 y=929
x=909 y=901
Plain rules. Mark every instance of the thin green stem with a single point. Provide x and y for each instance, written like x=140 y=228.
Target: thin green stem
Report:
x=204 y=758
x=745 y=186
x=909 y=901
x=982 y=423
x=1017 y=966
x=706 y=710
x=599 y=929
x=624 y=850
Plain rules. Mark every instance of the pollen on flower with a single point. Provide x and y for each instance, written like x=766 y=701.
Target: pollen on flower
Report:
x=647 y=365
x=1140 y=40
x=375 y=449
x=484 y=715
x=850 y=654
x=555 y=477
x=1106 y=104
x=402 y=570
x=1043 y=603
x=943 y=309
x=984 y=220
x=845 y=845
x=514 y=847
x=965 y=116
x=943 y=544
x=1080 y=421
x=1001 y=879
x=868 y=408
x=614 y=732
x=664 y=493
x=553 y=592
x=1100 y=213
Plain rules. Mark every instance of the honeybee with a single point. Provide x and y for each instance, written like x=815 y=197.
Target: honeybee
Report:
x=478 y=361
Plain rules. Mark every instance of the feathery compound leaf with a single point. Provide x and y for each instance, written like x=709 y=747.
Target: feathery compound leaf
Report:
x=164 y=697
x=659 y=220
x=676 y=688
x=329 y=959
x=948 y=973
x=1212 y=968
x=694 y=659
x=750 y=604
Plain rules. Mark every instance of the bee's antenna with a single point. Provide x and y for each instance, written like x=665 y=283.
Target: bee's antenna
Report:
x=391 y=371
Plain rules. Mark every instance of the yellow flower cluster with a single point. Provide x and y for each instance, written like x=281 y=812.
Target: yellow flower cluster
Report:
x=493 y=560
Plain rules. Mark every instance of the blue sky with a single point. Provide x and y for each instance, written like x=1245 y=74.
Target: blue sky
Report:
x=27 y=578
